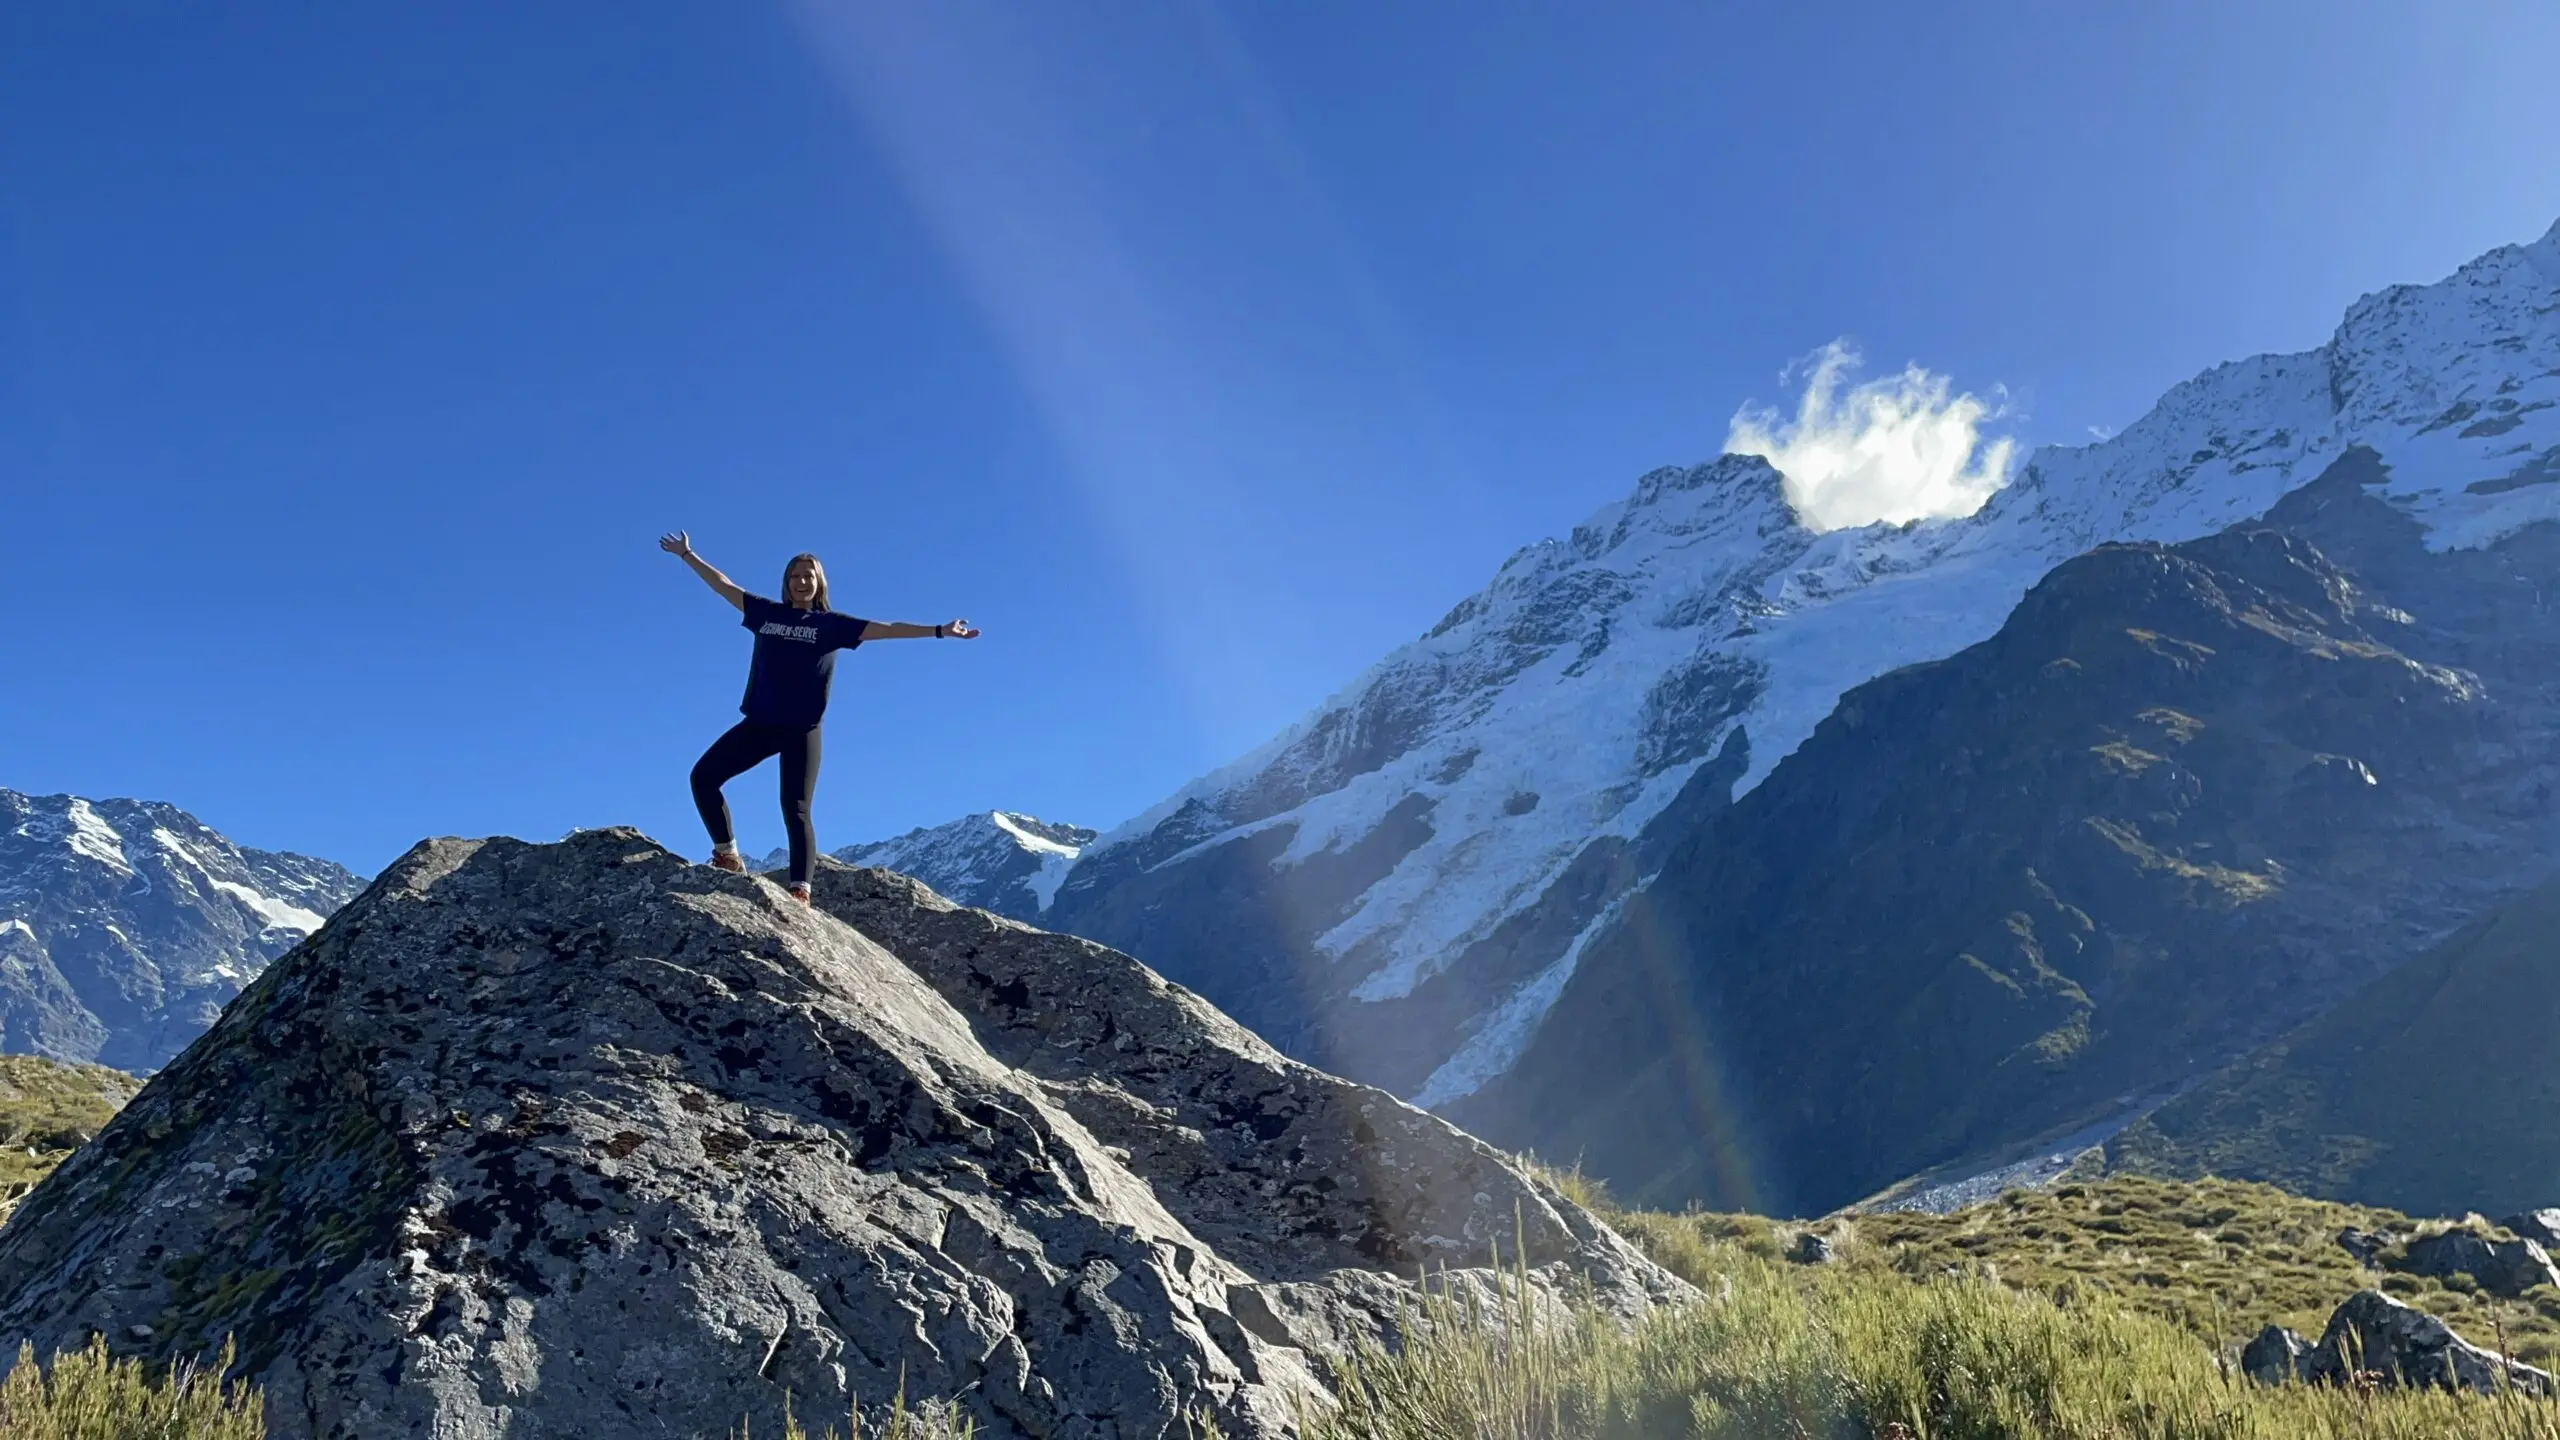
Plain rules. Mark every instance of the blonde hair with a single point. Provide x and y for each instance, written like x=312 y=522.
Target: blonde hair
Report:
x=816 y=571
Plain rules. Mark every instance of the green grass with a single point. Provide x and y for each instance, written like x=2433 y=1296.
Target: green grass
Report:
x=1858 y=1351
x=47 y=1110
x=88 y=1395
x=2217 y=1259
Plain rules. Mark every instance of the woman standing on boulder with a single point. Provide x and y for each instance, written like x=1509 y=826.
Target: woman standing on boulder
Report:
x=796 y=643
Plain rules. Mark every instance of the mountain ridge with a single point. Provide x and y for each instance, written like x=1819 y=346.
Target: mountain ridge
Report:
x=1420 y=861
x=125 y=925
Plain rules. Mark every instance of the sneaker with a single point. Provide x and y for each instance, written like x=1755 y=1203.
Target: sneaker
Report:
x=730 y=861
x=800 y=893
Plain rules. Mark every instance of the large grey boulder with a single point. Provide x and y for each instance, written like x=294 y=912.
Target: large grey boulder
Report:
x=2503 y=1267
x=582 y=1140
x=2370 y=1333
x=2276 y=1357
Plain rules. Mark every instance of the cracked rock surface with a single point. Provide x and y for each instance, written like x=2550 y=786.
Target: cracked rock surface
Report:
x=583 y=1140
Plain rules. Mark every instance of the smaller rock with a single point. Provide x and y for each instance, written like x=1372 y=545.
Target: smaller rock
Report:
x=139 y=1333
x=2373 y=1334
x=2277 y=1357
x=1810 y=1249
x=2505 y=1268
x=2362 y=1244
x=2539 y=1226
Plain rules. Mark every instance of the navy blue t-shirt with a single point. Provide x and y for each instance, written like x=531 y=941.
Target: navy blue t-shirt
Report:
x=794 y=661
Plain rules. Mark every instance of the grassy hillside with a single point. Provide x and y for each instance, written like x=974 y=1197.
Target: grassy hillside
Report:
x=48 y=1109
x=2218 y=1259
x=2432 y=1089
x=1786 y=1353
x=2104 y=1311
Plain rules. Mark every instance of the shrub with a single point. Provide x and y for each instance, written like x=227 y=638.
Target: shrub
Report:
x=90 y=1395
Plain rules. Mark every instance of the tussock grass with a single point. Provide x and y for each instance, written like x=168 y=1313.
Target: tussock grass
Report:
x=1847 y=1352
x=89 y=1395
x=2216 y=1258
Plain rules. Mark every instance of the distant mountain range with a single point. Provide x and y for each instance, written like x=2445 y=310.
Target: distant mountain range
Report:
x=1761 y=867
x=995 y=860
x=126 y=925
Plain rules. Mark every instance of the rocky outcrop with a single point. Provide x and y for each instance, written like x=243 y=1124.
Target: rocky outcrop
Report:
x=580 y=1140
x=2374 y=1336
x=2542 y=1227
x=2502 y=1267
x=2277 y=1356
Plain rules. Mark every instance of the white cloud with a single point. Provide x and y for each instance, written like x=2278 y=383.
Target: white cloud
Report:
x=1893 y=449
x=2102 y=433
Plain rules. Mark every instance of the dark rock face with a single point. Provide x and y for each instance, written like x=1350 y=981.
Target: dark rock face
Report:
x=2503 y=1267
x=2373 y=1334
x=126 y=925
x=2426 y=1090
x=2364 y=1245
x=1810 y=1249
x=2186 y=797
x=2539 y=1226
x=2276 y=1357
x=579 y=1140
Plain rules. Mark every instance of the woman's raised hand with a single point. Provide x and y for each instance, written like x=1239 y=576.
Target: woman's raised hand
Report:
x=960 y=630
x=676 y=544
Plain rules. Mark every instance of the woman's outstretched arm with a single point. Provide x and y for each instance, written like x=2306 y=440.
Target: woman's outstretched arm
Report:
x=901 y=630
x=682 y=548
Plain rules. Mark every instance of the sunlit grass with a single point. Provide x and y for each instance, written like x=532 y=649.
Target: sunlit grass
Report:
x=89 y=1395
x=1780 y=1351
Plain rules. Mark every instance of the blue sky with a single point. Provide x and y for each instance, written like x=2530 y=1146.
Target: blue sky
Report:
x=353 y=357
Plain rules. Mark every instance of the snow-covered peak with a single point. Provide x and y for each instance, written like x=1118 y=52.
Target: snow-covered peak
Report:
x=125 y=924
x=997 y=860
x=1570 y=700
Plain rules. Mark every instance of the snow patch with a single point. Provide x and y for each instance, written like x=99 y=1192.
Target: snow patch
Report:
x=279 y=914
x=1011 y=825
x=1052 y=873
x=1506 y=1032
x=20 y=926
x=95 y=838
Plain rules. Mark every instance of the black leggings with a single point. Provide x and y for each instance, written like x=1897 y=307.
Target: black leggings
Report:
x=746 y=746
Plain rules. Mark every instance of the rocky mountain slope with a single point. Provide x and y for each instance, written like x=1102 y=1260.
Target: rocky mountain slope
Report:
x=1401 y=885
x=2436 y=1087
x=580 y=1139
x=126 y=925
x=2186 y=797
x=999 y=860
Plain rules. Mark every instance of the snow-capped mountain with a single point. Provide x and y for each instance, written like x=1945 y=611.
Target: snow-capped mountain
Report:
x=1399 y=886
x=998 y=860
x=126 y=925
x=1011 y=864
